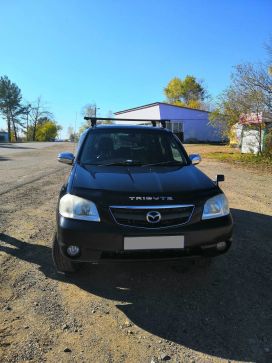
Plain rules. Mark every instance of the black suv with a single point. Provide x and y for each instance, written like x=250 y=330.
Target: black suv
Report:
x=134 y=193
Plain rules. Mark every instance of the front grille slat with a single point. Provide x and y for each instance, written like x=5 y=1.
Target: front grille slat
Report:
x=136 y=216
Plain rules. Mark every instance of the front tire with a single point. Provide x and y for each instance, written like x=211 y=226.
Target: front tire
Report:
x=62 y=263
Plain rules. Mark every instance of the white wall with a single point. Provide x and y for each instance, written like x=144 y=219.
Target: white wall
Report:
x=250 y=141
x=195 y=122
x=152 y=112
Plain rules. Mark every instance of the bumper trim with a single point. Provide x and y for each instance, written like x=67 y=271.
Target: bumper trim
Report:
x=151 y=255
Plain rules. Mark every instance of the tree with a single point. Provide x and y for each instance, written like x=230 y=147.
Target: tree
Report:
x=25 y=119
x=88 y=110
x=187 y=92
x=229 y=107
x=268 y=47
x=174 y=90
x=73 y=136
x=232 y=104
x=10 y=105
x=250 y=78
x=250 y=93
x=47 y=130
x=37 y=112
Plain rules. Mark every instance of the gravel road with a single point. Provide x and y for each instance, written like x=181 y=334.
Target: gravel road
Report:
x=140 y=312
x=24 y=163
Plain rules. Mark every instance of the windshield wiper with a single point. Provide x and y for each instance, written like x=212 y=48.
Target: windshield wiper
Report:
x=123 y=163
x=169 y=162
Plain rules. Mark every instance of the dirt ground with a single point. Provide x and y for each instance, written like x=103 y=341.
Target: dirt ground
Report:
x=140 y=312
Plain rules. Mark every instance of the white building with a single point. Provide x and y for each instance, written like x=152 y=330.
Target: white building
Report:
x=195 y=123
x=249 y=134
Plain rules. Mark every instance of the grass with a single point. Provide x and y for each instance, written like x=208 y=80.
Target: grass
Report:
x=225 y=153
x=242 y=158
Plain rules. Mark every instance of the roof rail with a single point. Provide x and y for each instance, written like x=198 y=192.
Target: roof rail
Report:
x=153 y=121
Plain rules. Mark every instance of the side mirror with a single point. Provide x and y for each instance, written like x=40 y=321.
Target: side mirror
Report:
x=195 y=158
x=220 y=178
x=66 y=158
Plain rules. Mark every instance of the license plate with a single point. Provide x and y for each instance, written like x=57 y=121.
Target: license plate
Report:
x=153 y=243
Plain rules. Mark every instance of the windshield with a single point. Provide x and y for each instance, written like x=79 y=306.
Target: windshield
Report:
x=132 y=147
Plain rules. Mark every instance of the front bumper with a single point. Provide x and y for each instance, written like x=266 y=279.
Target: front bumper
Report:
x=99 y=241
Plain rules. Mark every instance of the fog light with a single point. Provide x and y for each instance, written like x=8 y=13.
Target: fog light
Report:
x=73 y=251
x=221 y=246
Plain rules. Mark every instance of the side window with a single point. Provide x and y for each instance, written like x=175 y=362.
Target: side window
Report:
x=177 y=156
x=176 y=153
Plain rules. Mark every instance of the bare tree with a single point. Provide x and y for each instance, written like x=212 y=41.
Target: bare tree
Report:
x=37 y=111
x=250 y=78
x=268 y=47
x=73 y=136
x=250 y=93
x=89 y=110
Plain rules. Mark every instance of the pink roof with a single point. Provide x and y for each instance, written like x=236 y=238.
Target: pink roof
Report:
x=251 y=118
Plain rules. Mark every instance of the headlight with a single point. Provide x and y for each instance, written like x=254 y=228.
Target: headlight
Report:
x=216 y=207
x=71 y=206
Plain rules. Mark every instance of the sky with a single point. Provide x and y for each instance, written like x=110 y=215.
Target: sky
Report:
x=122 y=53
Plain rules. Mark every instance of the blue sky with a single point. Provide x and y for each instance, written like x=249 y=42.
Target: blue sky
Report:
x=122 y=53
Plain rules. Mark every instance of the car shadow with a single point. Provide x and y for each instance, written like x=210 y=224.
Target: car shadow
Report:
x=224 y=311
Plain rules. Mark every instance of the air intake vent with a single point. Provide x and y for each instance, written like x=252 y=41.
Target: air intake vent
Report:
x=152 y=216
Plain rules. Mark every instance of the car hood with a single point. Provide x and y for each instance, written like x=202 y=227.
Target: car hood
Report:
x=120 y=183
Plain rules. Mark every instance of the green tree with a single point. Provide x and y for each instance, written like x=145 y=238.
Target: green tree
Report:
x=10 y=106
x=47 y=130
x=185 y=92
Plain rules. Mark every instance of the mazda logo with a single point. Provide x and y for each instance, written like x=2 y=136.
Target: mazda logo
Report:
x=153 y=217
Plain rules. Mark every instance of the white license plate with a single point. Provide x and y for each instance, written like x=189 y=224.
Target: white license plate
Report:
x=153 y=243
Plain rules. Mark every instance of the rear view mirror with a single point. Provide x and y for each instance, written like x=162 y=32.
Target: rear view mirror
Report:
x=66 y=158
x=195 y=158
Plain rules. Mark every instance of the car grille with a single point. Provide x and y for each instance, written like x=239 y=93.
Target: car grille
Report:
x=136 y=216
